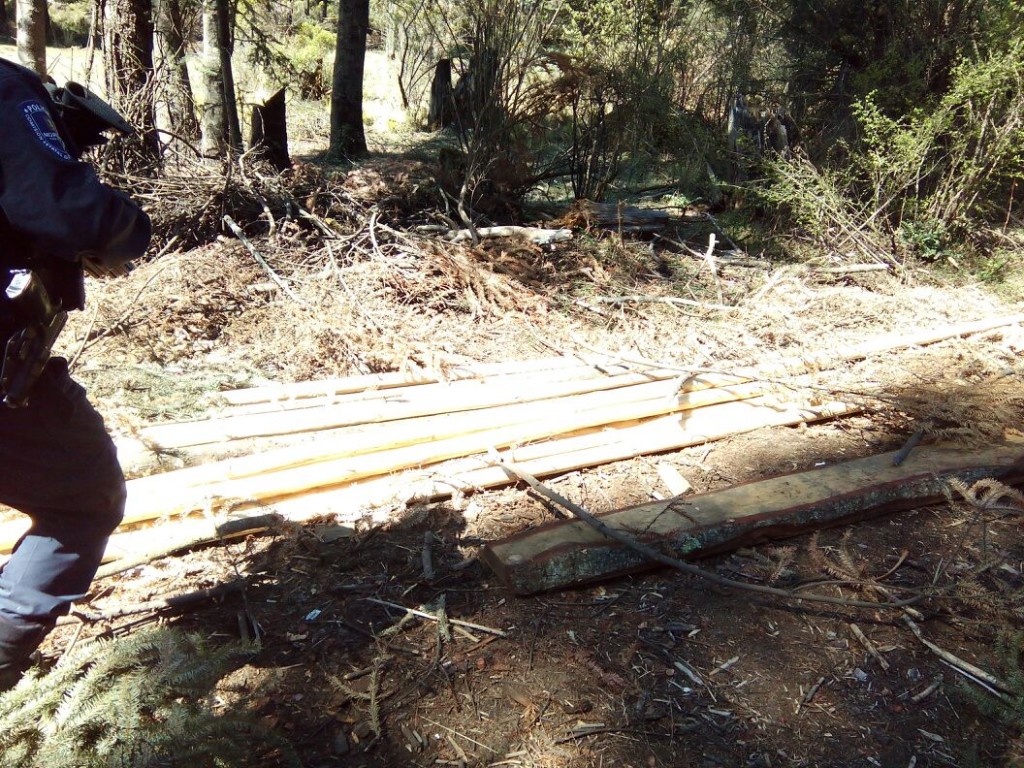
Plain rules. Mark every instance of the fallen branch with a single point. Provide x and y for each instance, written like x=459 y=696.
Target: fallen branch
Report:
x=534 y=235
x=964 y=667
x=260 y=260
x=153 y=606
x=618 y=300
x=810 y=694
x=432 y=617
x=851 y=269
x=130 y=550
x=869 y=646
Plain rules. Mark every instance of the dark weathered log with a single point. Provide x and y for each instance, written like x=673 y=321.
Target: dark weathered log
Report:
x=618 y=218
x=270 y=129
x=569 y=553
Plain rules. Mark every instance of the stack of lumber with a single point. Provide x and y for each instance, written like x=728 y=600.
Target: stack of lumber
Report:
x=362 y=446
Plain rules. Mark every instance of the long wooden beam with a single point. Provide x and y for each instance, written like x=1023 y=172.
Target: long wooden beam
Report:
x=569 y=553
x=353 y=502
x=502 y=425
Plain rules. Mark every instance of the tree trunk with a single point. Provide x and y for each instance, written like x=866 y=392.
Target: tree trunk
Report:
x=220 y=126
x=128 y=57
x=172 y=35
x=212 y=115
x=348 y=138
x=31 y=38
x=226 y=41
x=5 y=19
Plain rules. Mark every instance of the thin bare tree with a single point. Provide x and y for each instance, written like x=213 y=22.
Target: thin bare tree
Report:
x=31 y=37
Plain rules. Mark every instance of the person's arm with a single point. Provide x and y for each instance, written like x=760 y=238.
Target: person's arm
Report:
x=49 y=198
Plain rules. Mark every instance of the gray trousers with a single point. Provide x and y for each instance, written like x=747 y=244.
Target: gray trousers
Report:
x=59 y=466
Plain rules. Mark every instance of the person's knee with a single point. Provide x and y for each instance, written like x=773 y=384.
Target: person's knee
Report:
x=103 y=509
x=109 y=515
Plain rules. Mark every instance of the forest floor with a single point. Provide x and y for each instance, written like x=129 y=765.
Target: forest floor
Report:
x=654 y=669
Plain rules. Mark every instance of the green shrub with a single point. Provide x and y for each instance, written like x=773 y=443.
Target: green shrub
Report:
x=70 y=22
x=918 y=183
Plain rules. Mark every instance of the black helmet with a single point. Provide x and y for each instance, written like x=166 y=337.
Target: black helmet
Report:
x=86 y=114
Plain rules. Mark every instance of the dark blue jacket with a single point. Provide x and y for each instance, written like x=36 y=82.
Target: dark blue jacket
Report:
x=54 y=211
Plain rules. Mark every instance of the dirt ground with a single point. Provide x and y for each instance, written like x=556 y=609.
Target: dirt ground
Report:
x=657 y=669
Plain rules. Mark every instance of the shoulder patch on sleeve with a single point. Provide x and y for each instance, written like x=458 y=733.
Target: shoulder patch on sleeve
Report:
x=42 y=126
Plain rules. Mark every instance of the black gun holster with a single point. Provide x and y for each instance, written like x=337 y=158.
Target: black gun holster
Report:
x=35 y=322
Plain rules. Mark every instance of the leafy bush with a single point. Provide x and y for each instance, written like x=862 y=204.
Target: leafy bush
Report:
x=629 y=54
x=70 y=22
x=919 y=181
x=949 y=162
x=307 y=56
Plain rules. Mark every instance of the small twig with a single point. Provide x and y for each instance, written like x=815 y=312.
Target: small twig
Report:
x=658 y=300
x=851 y=268
x=426 y=556
x=994 y=684
x=260 y=260
x=724 y=666
x=460 y=735
x=810 y=694
x=917 y=698
x=903 y=556
x=869 y=646
x=709 y=258
x=74 y=638
x=721 y=231
x=584 y=730
x=690 y=672
x=908 y=446
x=432 y=617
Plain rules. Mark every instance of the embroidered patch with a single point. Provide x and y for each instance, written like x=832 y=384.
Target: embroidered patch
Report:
x=41 y=122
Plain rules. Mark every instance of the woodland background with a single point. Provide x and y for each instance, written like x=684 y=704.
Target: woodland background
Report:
x=891 y=205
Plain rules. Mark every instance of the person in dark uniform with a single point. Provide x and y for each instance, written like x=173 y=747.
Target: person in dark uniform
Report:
x=58 y=465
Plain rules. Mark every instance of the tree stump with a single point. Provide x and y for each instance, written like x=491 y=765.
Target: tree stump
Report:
x=442 y=100
x=269 y=130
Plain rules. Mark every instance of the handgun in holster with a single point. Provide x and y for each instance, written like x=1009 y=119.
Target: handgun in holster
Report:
x=38 y=321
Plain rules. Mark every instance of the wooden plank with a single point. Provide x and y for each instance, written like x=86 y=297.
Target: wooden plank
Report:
x=530 y=375
x=321 y=388
x=398 y=405
x=174 y=492
x=568 y=553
